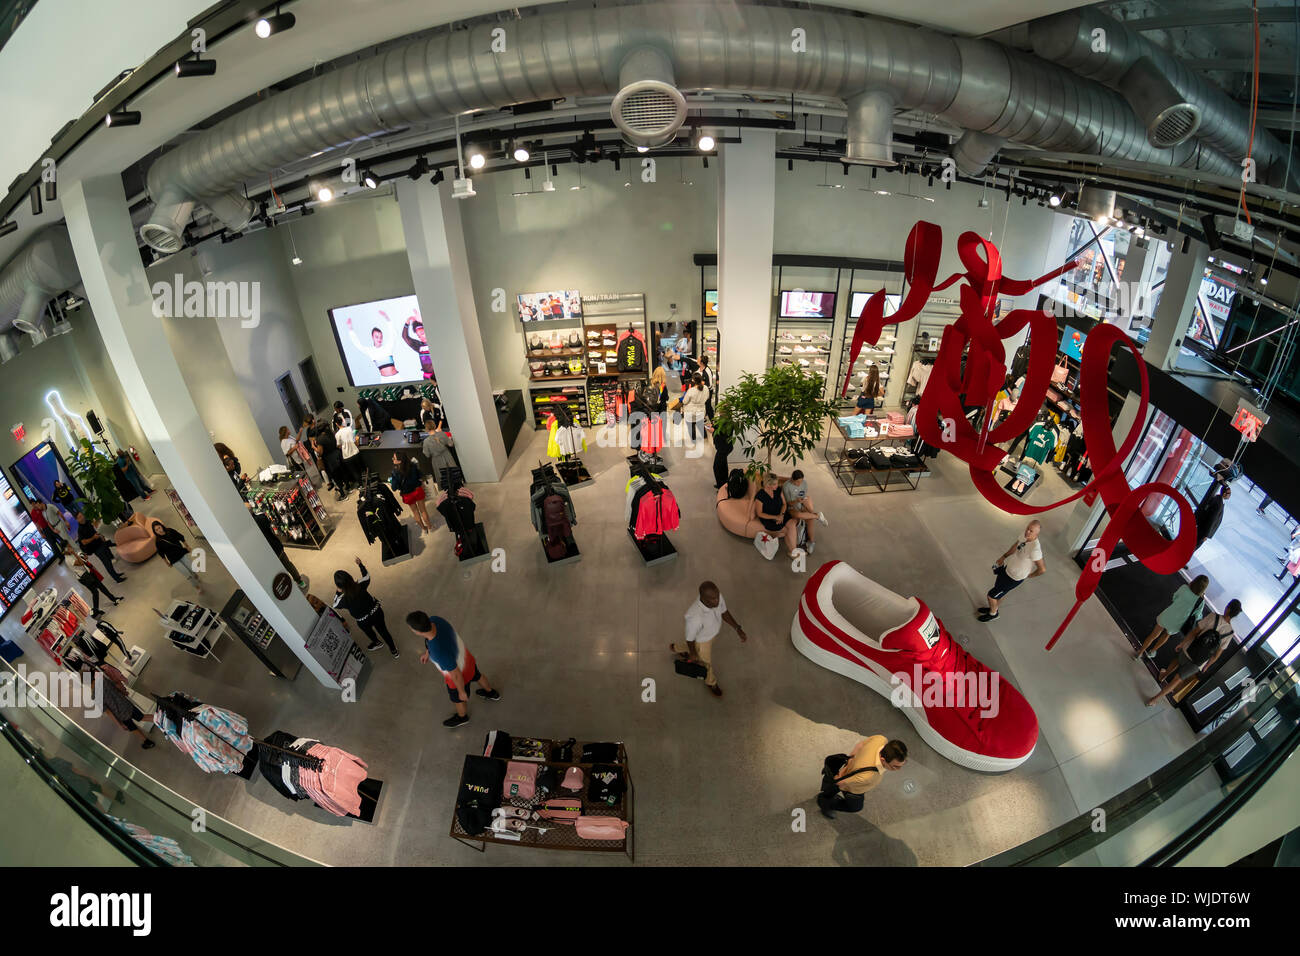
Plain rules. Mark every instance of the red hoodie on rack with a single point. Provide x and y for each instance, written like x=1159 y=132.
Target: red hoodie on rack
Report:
x=656 y=514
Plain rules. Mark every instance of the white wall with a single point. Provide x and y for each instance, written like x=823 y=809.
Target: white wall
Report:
x=261 y=353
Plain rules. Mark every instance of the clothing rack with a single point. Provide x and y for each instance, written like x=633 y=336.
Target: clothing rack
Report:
x=471 y=545
x=654 y=548
x=546 y=484
x=570 y=466
x=310 y=762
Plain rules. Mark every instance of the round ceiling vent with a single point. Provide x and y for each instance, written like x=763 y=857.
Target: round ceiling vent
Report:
x=649 y=112
x=1174 y=125
x=159 y=237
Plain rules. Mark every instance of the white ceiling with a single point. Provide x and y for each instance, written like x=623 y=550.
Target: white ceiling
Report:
x=67 y=50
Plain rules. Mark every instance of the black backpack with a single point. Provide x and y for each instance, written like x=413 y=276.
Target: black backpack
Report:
x=480 y=792
x=737 y=484
x=599 y=753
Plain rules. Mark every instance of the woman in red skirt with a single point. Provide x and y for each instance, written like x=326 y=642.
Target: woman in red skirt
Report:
x=410 y=486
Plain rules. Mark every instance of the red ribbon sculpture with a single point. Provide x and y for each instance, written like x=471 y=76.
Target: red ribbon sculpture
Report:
x=952 y=391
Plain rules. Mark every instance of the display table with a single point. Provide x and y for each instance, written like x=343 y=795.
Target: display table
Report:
x=907 y=477
x=839 y=453
x=559 y=836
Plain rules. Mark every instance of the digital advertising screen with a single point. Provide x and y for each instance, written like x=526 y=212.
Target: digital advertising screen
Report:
x=36 y=473
x=711 y=303
x=798 y=304
x=382 y=342
x=24 y=552
x=1072 y=343
x=549 y=306
x=859 y=302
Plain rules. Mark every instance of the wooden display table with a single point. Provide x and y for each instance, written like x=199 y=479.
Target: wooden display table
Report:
x=559 y=836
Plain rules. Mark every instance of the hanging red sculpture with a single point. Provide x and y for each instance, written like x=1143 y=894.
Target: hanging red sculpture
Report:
x=953 y=390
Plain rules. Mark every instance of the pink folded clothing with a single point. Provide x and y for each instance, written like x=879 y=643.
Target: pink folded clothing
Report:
x=901 y=431
x=896 y=417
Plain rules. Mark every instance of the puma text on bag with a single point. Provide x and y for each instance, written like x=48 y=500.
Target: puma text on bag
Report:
x=561 y=810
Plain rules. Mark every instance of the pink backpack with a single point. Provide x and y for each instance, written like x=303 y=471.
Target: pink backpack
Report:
x=521 y=779
x=601 y=828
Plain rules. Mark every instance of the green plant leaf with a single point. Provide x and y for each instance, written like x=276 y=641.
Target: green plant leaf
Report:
x=781 y=415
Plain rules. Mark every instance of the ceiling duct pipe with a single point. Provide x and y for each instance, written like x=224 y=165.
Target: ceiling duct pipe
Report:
x=599 y=50
x=1169 y=117
x=1068 y=39
x=8 y=347
x=41 y=270
x=648 y=107
x=870 y=137
x=973 y=152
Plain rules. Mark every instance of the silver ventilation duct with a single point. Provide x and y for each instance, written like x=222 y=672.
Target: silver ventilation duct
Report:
x=1096 y=203
x=1169 y=117
x=870 y=129
x=648 y=108
x=1069 y=39
x=975 y=84
x=8 y=347
x=974 y=151
x=41 y=270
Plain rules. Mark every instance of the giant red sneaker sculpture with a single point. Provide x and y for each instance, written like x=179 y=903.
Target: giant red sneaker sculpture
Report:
x=854 y=626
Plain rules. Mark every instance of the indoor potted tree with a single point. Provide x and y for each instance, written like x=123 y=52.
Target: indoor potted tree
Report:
x=780 y=416
x=94 y=471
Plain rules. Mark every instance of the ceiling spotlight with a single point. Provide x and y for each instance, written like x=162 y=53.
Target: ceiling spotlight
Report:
x=36 y=199
x=1103 y=220
x=1263 y=280
x=705 y=142
x=196 y=67
x=268 y=26
x=123 y=118
x=437 y=177
x=1054 y=200
x=51 y=190
x=476 y=158
x=520 y=153
x=643 y=149
x=8 y=227
x=369 y=179
x=418 y=168
x=322 y=193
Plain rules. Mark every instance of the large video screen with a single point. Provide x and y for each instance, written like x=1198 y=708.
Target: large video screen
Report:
x=549 y=306
x=24 y=552
x=859 y=302
x=382 y=342
x=798 y=304
x=36 y=472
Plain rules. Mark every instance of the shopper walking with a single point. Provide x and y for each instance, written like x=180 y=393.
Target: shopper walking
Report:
x=268 y=532
x=706 y=374
x=327 y=451
x=1209 y=515
x=703 y=622
x=92 y=542
x=1263 y=505
x=410 y=487
x=799 y=506
x=1187 y=602
x=1020 y=562
x=124 y=467
x=354 y=597
x=92 y=581
x=695 y=407
x=41 y=519
x=172 y=548
x=437 y=448
x=847 y=778
x=1198 y=650
x=444 y=648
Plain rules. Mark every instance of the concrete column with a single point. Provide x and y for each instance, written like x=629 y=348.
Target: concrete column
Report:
x=746 y=222
x=435 y=246
x=119 y=292
x=1174 y=314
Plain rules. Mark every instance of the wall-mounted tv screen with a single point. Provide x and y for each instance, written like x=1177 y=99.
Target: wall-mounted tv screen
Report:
x=859 y=302
x=382 y=342
x=549 y=306
x=24 y=552
x=798 y=304
x=710 y=303
x=1072 y=343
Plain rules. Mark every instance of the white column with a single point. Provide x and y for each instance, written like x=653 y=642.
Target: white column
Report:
x=435 y=246
x=119 y=293
x=746 y=222
x=1174 y=314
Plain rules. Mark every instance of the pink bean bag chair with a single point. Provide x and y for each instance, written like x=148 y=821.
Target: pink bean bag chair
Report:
x=733 y=513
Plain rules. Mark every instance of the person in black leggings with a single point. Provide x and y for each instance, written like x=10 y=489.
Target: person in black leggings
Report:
x=354 y=597
x=90 y=580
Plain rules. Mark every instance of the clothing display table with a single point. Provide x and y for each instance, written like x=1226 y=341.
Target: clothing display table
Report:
x=557 y=835
x=192 y=628
x=839 y=453
x=893 y=477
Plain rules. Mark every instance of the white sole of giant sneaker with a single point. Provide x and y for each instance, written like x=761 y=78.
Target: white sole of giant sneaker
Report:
x=912 y=707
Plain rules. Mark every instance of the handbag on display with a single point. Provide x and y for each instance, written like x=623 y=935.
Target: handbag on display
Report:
x=601 y=828
x=521 y=779
x=766 y=544
x=561 y=810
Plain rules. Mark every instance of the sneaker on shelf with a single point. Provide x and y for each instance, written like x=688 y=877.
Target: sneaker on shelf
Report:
x=785 y=350
x=908 y=656
x=455 y=720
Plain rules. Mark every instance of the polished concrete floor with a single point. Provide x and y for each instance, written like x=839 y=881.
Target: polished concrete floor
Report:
x=717 y=781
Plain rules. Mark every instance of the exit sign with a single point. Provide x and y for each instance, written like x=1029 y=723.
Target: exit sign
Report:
x=1249 y=420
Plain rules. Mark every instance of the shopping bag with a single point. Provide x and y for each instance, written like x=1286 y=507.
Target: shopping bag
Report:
x=690 y=669
x=766 y=544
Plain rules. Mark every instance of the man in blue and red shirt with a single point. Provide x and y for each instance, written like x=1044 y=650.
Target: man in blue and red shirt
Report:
x=443 y=646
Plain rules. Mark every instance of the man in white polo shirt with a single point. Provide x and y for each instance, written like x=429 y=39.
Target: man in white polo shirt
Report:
x=703 y=622
x=1021 y=561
